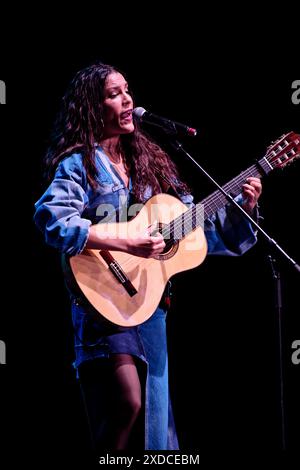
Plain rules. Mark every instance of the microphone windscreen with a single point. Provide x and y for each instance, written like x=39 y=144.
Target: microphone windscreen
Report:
x=138 y=112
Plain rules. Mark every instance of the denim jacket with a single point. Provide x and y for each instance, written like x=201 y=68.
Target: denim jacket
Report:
x=64 y=214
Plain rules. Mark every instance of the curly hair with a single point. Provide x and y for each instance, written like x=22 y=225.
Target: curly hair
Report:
x=79 y=126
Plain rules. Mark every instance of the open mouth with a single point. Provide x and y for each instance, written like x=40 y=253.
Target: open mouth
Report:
x=127 y=115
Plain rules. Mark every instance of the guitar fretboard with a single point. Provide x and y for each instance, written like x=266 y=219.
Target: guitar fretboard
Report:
x=193 y=218
x=217 y=200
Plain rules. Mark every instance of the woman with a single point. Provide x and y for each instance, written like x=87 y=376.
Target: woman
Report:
x=98 y=156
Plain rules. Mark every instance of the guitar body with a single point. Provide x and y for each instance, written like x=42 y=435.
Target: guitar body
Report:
x=148 y=276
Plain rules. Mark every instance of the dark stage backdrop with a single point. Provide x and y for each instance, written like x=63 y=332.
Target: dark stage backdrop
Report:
x=222 y=327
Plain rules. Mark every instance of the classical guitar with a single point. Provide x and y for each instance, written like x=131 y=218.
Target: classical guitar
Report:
x=127 y=289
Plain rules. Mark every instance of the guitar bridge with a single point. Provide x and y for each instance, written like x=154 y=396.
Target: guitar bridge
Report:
x=118 y=272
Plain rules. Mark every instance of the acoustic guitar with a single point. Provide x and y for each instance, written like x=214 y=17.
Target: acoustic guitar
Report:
x=127 y=289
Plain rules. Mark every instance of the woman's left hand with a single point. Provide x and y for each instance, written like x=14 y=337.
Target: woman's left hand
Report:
x=251 y=193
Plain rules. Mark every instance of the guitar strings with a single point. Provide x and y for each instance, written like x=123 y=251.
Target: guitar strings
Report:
x=212 y=202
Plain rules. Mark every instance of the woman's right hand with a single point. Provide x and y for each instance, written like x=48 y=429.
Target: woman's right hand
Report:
x=146 y=246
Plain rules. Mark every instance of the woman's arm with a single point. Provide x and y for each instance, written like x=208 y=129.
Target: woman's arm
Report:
x=142 y=244
x=59 y=216
x=228 y=232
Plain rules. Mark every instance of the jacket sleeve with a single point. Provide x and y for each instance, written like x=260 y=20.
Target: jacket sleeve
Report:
x=227 y=231
x=58 y=211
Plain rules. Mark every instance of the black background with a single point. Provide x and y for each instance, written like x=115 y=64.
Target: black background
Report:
x=223 y=332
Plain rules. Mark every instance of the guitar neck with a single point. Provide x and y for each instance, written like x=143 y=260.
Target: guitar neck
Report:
x=281 y=153
x=193 y=218
x=217 y=200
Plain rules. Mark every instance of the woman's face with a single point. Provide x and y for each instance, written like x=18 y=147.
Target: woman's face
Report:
x=117 y=106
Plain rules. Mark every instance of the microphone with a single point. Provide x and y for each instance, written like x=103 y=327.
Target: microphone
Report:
x=170 y=127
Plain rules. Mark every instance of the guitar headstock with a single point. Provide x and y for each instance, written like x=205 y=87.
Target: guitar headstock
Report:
x=284 y=150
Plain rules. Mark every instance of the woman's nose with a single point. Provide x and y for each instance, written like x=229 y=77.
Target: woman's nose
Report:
x=127 y=98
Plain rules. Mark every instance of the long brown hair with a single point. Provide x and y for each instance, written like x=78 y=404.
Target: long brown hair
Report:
x=79 y=127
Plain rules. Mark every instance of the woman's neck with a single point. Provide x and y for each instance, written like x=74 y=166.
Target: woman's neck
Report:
x=111 y=147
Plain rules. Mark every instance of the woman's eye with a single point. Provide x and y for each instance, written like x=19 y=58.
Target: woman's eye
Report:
x=116 y=93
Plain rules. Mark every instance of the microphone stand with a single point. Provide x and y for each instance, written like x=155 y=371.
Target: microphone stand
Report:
x=276 y=276
x=278 y=306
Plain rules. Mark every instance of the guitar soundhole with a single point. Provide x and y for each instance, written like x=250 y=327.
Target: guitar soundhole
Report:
x=171 y=245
